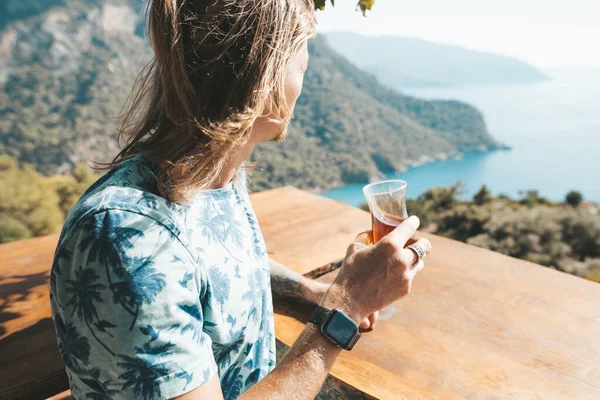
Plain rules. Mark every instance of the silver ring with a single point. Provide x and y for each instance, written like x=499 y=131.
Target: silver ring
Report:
x=362 y=245
x=419 y=251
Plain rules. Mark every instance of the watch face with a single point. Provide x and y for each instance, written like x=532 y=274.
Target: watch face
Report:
x=340 y=327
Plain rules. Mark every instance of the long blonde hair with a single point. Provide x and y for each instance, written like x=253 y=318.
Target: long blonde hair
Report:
x=218 y=65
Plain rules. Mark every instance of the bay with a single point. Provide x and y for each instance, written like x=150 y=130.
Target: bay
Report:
x=552 y=126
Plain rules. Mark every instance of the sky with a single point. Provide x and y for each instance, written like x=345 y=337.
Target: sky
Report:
x=550 y=34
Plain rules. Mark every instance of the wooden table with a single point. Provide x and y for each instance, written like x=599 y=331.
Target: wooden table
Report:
x=478 y=325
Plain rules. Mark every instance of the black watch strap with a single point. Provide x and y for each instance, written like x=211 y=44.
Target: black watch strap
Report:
x=319 y=316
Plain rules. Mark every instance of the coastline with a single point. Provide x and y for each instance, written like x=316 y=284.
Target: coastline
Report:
x=421 y=161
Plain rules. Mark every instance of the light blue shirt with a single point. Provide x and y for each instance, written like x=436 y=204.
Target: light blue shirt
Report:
x=151 y=299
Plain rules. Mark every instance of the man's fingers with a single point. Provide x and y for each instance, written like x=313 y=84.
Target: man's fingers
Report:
x=412 y=255
x=404 y=231
x=369 y=323
x=365 y=323
x=362 y=240
x=416 y=269
x=373 y=319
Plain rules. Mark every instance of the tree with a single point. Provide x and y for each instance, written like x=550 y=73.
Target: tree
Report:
x=483 y=196
x=532 y=198
x=34 y=205
x=574 y=198
x=28 y=207
x=442 y=198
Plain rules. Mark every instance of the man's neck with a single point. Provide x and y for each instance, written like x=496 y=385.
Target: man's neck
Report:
x=233 y=164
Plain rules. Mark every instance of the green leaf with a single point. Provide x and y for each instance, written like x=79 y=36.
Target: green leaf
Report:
x=365 y=5
x=320 y=4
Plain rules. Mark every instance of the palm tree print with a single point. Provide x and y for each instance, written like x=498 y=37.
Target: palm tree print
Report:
x=232 y=228
x=253 y=378
x=85 y=293
x=142 y=377
x=234 y=233
x=145 y=282
x=220 y=285
x=100 y=390
x=209 y=225
x=214 y=224
x=141 y=284
x=224 y=352
x=151 y=354
x=108 y=240
x=232 y=383
x=195 y=324
x=118 y=263
x=74 y=348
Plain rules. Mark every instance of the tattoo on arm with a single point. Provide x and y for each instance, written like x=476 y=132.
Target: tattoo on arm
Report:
x=285 y=282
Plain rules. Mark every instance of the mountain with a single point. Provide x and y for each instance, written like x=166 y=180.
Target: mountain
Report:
x=408 y=62
x=352 y=128
x=66 y=66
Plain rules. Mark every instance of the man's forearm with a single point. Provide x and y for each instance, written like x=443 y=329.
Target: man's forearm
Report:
x=302 y=371
x=285 y=282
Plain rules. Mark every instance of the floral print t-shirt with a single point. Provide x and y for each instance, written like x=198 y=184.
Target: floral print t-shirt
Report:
x=150 y=299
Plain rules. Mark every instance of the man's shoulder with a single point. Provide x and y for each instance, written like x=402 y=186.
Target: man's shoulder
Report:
x=130 y=198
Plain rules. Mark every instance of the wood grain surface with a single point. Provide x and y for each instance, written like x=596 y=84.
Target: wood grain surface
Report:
x=478 y=325
x=30 y=365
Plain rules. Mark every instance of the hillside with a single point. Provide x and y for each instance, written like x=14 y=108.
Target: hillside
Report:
x=351 y=128
x=407 y=62
x=66 y=66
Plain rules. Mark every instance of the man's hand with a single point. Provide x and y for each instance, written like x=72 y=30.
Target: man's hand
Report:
x=373 y=277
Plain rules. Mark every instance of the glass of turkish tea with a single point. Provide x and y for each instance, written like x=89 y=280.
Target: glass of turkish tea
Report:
x=387 y=203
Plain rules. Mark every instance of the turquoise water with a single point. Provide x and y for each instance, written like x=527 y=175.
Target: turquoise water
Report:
x=553 y=128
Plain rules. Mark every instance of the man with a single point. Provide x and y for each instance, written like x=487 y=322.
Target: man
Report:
x=161 y=285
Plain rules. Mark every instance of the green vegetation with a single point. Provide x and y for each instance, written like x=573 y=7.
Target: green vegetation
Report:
x=560 y=236
x=34 y=205
x=574 y=198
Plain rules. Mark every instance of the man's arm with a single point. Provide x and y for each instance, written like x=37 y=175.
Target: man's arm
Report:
x=303 y=369
x=298 y=376
x=285 y=282
x=371 y=278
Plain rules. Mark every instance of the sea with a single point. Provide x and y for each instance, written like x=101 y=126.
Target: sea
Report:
x=552 y=127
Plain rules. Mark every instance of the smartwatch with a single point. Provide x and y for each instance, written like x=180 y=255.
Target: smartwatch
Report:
x=336 y=326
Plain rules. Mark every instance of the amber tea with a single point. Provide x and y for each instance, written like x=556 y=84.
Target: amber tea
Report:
x=384 y=224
